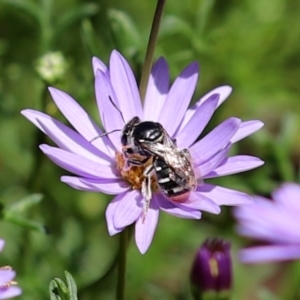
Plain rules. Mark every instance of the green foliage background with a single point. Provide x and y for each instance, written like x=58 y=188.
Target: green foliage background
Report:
x=253 y=46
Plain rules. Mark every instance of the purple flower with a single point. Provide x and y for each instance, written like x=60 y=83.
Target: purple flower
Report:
x=7 y=285
x=274 y=223
x=212 y=269
x=97 y=163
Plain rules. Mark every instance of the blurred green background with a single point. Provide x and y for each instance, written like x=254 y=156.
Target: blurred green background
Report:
x=253 y=46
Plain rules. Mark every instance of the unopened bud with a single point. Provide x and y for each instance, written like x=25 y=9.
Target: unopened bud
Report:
x=211 y=274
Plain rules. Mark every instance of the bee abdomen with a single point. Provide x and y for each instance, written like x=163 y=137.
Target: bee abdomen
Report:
x=167 y=185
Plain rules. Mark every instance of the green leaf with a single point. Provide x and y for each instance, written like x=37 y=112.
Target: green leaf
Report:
x=12 y=213
x=125 y=32
x=59 y=291
x=54 y=290
x=173 y=25
x=89 y=37
x=25 y=203
x=28 y=7
x=23 y=222
x=74 y=15
x=72 y=287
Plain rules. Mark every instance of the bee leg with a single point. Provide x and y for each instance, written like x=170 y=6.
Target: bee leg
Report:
x=146 y=189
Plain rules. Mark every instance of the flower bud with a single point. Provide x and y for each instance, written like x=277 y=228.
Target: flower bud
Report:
x=211 y=272
x=51 y=67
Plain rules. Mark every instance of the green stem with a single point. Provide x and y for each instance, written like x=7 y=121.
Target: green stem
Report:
x=120 y=294
x=150 y=48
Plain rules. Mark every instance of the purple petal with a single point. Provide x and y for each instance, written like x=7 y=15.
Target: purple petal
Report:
x=145 y=229
x=200 y=202
x=110 y=213
x=110 y=116
x=236 y=164
x=99 y=65
x=125 y=87
x=262 y=254
x=66 y=138
x=224 y=196
x=288 y=195
x=246 y=129
x=129 y=209
x=157 y=90
x=194 y=127
x=6 y=276
x=2 y=243
x=9 y=292
x=214 y=141
x=81 y=121
x=177 y=209
x=212 y=163
x=110 y=187
x=179 y=98
x=77 y=164
x=223 y=91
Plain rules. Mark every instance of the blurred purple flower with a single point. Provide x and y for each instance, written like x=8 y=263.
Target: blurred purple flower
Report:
x=7 y=285
x=274 y=223
x=97 y=167
x=212 y=269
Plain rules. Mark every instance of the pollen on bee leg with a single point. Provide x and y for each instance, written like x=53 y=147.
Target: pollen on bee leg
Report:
x=137 y=178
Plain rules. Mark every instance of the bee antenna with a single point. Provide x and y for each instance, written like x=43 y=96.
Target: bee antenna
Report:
x=103 y=134
x=116 y=107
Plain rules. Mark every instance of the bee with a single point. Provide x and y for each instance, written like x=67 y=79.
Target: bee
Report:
x=148 y=143
x=172 y=168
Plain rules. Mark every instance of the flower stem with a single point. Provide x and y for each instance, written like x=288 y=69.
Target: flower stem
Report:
x=150 y=48
x=120 y=294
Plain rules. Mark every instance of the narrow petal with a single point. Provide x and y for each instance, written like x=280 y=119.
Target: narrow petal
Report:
x=288 y=195
x=262 y=254
x=194 y=127
x=202 y=170
x=99 y=65
x=177 y=209
x=110 y=213
x=2 y=243
x=179 y=98
x=200 y=202
x=112 y=119
x=223 y=91
x=145 y=229
x=110 y=187
x=236 y=164
x=125 y=87
x=81 y=121
x=224 y=196
x=246 y=129
x=65 y=137
x=157 y=90
x=129 y=209
x=77 y=164
x=6 y=276
x=214 y=141
x=9 y=292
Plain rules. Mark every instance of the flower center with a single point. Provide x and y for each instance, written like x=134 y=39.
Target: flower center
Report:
x=135 y=174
